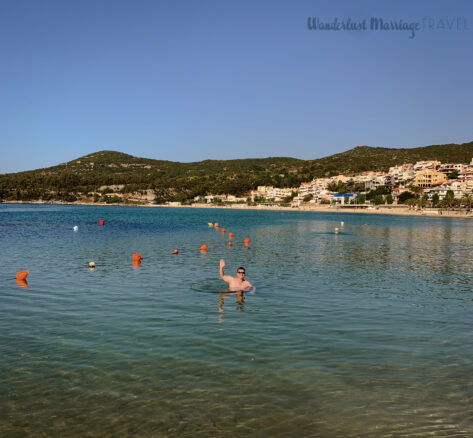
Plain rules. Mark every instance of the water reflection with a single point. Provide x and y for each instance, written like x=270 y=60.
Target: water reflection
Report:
x=22 y=283
x=239 y=300
x=407 y=252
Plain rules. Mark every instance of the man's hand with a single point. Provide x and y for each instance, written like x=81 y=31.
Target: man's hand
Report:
x=222 y=275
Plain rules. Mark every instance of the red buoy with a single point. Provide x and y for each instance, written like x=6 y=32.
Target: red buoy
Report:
x=21 y=275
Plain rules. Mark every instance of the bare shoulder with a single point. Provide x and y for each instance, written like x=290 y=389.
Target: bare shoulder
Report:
x=227 y=278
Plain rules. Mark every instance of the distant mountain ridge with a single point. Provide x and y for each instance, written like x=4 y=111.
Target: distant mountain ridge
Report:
x=180 y=181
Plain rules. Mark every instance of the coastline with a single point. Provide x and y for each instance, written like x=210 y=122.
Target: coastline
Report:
x=398 y=210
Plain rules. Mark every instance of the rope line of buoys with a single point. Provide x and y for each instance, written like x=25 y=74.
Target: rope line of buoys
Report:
x=137 y=257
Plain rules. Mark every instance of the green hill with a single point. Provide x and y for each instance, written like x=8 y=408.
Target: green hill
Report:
x=180 y=181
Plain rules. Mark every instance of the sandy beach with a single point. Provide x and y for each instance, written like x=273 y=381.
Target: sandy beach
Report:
x=386 y=210
x=383 y=209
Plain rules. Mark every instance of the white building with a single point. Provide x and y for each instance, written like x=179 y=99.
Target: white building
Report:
x=426 y=165
x=458 y=188
x=377 y=181
x=448 y=168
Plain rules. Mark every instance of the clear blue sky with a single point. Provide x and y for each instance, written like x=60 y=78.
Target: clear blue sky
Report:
x=193 y=80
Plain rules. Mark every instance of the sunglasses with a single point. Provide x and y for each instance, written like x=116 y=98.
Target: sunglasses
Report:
x=240 y=272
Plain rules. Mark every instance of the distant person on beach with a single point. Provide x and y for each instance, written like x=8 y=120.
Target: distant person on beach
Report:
x=235 y=283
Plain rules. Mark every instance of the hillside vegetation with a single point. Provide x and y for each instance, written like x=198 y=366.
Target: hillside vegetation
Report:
x=180 y=181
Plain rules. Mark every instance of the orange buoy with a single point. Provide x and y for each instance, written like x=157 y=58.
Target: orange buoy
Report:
x=137 y=257
x=230 y=235
x=203 y=247
x=246 y=241
x=230 y=243
x=136 y=263
x=176 y=252
x=101 y=222
x=22 y=283
x=224 y=230
x=216 y=224
x=21 y=275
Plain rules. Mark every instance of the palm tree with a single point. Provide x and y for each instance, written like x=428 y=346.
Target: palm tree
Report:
x=422 y=202
x=449 y=199
x=467 y=201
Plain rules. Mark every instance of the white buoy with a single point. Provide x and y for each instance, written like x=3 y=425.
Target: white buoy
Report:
x=76 y=228
x=342 y=223
x=336 y=230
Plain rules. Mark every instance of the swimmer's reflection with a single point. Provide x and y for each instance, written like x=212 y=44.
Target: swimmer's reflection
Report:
x=239 y=299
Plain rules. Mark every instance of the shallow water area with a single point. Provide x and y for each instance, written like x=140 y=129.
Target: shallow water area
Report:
x=367 y=333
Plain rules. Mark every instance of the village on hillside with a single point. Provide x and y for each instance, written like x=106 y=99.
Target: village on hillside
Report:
x=425 y=183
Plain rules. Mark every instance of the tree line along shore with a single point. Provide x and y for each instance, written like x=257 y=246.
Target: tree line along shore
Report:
x=363 y=175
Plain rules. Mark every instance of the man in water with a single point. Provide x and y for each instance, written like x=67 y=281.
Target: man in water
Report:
x=235 y=283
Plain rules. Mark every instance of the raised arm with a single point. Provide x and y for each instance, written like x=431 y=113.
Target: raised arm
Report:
x=224 y=277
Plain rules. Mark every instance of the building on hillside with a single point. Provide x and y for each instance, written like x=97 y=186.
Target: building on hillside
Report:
x=210 y=198
x=420 y=165
x=306 y=189
x=264 y=189
x=261 y=192
x=469 y=167
x=401 y=168
x=404 y=172
x=278 y=194
x=233 y=198
x=408 y=175
x=397 y=192
x=381 y=179
x=457 y=187
x=467 y=177
x=254 y=194
x=338 y=179
x=428 y=178
x=364 y=177
x=448 y=168
x=282 y=193
x=321 y=183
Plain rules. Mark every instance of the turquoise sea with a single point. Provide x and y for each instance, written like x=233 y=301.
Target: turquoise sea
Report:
x=368 y=333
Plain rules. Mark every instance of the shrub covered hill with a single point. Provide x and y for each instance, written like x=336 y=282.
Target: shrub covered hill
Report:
x=174 y=181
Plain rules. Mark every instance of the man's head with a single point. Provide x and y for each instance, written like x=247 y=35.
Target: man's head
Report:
x=241 y=272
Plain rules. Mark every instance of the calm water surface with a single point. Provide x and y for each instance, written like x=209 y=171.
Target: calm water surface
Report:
x=363 y=334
